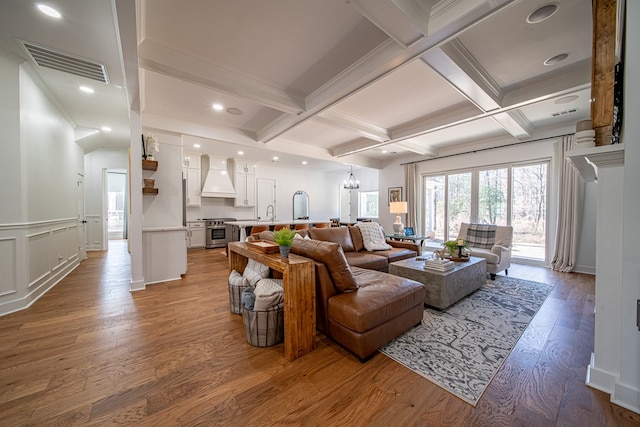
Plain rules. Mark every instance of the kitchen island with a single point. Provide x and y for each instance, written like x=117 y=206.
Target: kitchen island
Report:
x=242 y=227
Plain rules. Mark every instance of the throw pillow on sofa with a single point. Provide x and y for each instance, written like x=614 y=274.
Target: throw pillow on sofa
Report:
x=332 y=256
x=372 y=236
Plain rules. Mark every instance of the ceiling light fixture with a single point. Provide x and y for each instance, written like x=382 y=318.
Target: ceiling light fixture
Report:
x=566 y=99
x=556 y=59
x=542 y=13
x=86 y=89
x=275 y=159
x=106 y=128
x=48 y=10
x=304 y=162
x=351 y=183
x=218 y=107
x=234 y=111
x=240 y=153
x=196 y=145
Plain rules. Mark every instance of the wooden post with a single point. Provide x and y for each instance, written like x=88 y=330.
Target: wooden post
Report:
x=602 y=70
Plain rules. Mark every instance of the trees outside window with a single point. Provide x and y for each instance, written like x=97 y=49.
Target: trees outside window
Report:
x=368 y=204
x=507 y=195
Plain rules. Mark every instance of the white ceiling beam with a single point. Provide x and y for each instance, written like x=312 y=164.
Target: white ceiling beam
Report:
x=389 y=19
x=353 y=124
x=515 y=123
x=420 y=149
x=377 y=64
x=164 y=60
x=354 y=147
x=454 y=63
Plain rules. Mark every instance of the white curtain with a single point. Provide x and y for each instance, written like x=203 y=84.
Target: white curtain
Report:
x=571 y=205
x=410 y=185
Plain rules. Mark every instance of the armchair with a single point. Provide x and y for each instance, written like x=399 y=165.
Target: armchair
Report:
x=494 y=246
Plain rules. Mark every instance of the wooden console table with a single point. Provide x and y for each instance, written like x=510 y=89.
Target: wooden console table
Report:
x=299 y=295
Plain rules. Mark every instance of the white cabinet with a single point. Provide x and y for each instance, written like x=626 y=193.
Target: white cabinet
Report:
x=245 y=184
x=191 y=167
x=196 y=234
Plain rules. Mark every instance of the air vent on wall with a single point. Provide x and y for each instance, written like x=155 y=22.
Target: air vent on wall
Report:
x=65 y=62
x=565 y=112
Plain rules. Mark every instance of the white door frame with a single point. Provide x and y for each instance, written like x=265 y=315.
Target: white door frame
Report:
x=82 y=220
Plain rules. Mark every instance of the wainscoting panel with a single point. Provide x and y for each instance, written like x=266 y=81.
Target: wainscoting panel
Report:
x=38 y=258
x=58 y=254
x=94 y=233
x=8 y=256
x=33 y=258
x=73 y=242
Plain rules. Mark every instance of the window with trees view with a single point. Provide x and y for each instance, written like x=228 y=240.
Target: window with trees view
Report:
x=513 y=195
x=368 y=204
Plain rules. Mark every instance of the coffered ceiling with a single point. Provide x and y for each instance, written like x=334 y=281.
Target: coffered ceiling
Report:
x=367 y=82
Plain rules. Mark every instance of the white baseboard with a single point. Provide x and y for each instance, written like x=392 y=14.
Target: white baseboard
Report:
x=620 y=394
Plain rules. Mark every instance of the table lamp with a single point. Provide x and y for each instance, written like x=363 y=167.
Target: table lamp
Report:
x=398 y=208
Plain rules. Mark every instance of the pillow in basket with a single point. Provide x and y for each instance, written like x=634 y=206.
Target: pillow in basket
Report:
x=255 y=271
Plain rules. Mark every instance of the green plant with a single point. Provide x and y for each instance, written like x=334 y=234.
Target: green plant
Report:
x=284 y=236
x=452 y=246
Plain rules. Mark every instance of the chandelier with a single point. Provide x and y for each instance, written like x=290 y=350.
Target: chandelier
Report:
x=352 y=183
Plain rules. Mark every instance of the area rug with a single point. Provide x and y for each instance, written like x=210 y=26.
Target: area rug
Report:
x=462 y=347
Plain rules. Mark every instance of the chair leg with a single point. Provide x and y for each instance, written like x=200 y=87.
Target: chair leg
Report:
x=506 y=271
x=493 y=276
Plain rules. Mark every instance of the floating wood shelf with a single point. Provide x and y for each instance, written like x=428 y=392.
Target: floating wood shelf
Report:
x=149 y=191
x=150 y=165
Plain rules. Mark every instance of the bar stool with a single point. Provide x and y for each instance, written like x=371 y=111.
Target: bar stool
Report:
x=301 y=227
x=335 y=222
x=258 y=229
x=280 y=227
x=322 y=225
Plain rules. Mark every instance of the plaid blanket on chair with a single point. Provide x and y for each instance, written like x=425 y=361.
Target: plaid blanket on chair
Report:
x=481 y=235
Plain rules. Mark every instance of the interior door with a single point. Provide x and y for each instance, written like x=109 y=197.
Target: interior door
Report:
x=266 y=189
x=82 y=222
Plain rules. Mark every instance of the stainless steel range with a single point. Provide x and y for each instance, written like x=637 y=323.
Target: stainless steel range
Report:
x=218 y=234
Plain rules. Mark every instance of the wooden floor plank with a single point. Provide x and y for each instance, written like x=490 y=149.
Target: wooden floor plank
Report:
x=90 y=352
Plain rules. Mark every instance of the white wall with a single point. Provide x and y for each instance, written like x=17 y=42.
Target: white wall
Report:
x=39 y=237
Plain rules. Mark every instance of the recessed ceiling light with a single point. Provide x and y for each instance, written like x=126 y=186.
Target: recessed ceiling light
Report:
x=566 y=99
x=106 y=128
x=87 y=89
x=218 y=107
x=240 y=153
x=48 y=10
x=384 y=151
x=275 y=159
x=542 y=13
x=556 y=59
x=304 y=162
x=234 y=111
x=196 y=145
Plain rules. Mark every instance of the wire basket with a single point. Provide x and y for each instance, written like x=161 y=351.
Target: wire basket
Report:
x=264 y=328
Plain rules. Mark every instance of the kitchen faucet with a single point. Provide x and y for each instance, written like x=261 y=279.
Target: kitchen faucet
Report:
x=272 y=217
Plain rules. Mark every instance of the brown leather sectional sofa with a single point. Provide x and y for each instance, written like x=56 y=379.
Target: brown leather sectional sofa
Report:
x=350 y=239
x=361 y=309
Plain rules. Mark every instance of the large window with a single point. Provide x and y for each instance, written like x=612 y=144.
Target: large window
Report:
x=368 y=204
x=508 y=195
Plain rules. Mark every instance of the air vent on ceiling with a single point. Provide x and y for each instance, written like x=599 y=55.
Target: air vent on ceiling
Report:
x=565 y=112
x=65 y=62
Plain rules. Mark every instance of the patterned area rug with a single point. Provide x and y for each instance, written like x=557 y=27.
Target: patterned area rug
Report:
x=462 y=347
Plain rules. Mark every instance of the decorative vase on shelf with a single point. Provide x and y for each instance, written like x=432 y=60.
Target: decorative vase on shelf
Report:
x=284 y=251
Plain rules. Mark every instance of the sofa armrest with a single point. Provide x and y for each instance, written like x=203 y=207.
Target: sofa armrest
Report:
x=405 y=245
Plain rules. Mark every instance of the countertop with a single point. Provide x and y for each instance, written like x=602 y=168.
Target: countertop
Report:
x=162 y=229
x=252 y=222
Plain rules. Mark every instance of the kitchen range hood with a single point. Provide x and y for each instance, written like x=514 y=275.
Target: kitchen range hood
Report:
x=218 y=182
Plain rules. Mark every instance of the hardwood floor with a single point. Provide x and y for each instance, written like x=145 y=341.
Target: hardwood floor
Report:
x=90 y=352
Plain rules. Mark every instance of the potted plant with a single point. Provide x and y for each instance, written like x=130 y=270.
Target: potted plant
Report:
x=284 y=238
x=455 y=247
